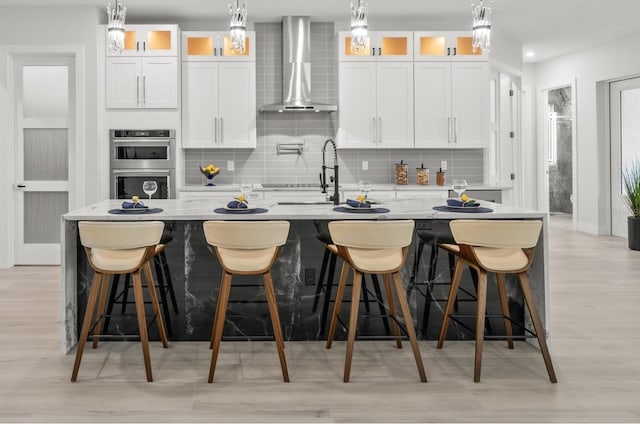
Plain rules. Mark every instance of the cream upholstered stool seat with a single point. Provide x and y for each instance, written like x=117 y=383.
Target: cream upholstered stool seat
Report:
x=246 y=248
x=501 y=247
x=373 y=247
x=115 y=248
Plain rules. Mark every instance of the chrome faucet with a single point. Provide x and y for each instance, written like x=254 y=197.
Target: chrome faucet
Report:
x=334 y=179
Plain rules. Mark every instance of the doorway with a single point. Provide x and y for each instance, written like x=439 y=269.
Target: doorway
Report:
x=624 y=106
x=560 y=150
x=44 y=111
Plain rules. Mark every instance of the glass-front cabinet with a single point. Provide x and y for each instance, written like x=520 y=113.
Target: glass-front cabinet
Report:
x=209 y=46
x=381 y=46
x=445 y=46
x=150 y=40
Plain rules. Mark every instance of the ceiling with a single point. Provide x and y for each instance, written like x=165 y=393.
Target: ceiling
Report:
x=547 y=27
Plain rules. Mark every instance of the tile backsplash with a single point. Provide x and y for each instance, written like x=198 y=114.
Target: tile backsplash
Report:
x=264 y=165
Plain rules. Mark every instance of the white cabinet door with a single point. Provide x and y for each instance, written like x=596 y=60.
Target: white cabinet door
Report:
x=199 y=104
x=123 y=82
x=150 y=40
x=469 y=103
x=432 y=104
x=137 y=82
x=395 y=104
x=237 y=105
x=159 y=82
x=357 y=105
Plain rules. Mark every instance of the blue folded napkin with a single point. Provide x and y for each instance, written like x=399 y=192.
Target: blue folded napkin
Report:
x=460 y=204
x=236 y=204
x=357 y=204
x=132 y=205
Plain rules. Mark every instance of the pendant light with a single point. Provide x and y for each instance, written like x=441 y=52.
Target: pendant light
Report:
x=481 y=27
x=115 y=28
x=359 y=30
x=238 y=26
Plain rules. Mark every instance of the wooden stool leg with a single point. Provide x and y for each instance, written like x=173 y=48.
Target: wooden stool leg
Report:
x=218 y=322
x=154 y=302
x=220 y=294
x=408 y=323
x=537 y=324
x=481 y=313
x=453 y=293
x=86 y=323
x=504 y=304
x=142 y=323
x=392 y=308
x=275 y=322
x=338 y=302
x=100 y=312
x=353 y=322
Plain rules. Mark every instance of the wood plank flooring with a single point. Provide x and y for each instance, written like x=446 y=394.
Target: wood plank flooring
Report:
x=594 y=342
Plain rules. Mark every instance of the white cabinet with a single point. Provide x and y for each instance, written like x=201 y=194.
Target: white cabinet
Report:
x=142 y=82
x=382 y=46
x=445 y=46
x=150 y=40
x=218 y=105
x=451 y=104
x=215 y=45
x=375 y=105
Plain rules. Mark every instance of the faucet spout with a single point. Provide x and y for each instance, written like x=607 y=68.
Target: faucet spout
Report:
x=323 y=177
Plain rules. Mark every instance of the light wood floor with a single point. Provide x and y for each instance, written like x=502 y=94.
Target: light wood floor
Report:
x=595 y=345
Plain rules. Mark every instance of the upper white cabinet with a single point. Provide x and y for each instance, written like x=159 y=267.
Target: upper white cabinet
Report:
x=382 y=46
x=142 y=82
x=150 y=40
x=375 y=105
x=215 y=45
x=445 y=46
x=451 y=104
x=218 y=104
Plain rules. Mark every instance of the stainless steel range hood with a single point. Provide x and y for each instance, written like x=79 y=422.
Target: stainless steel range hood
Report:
x=296 y=69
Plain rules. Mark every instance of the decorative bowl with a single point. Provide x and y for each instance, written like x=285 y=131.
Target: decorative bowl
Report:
x=209 y=174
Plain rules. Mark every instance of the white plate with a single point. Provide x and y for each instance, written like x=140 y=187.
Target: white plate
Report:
x=134 y=210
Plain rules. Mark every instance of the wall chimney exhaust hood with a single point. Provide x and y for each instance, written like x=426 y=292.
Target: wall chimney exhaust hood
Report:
x=296 y=69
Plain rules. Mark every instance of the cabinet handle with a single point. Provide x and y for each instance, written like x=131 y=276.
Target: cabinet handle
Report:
x=379 y=51
x=221 y=130
x=137 y=90
x=448 y=51
x=215 y=130
x=379 y=130
x=455 y=51
x=137 y=46
x=375 y=130
x=213 y=127
x=221 y=52
x=144 y=46
x=144 y=90
x=448 y=130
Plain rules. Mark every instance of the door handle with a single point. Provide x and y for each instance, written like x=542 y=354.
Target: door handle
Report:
x=18 y=186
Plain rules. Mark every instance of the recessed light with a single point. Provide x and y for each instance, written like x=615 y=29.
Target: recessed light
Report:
x=530 y=54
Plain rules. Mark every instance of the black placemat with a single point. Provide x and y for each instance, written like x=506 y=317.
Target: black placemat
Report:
x=360 y=210
x=135 y=211
x=240 y=211
x=478 y=209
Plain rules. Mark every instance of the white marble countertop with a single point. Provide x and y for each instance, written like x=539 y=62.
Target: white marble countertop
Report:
x=200 y=209
x=343 y=187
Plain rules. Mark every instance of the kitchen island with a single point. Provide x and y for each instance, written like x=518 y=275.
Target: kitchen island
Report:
x=196 y=273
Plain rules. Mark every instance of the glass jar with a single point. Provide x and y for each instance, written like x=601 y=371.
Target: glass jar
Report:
x=402 y=173
x=422 y=176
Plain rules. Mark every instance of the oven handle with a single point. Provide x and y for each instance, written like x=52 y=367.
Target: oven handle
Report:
x=142 y=142
x=142 y=172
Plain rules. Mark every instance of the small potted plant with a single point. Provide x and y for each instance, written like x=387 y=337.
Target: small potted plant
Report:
x=631 y=197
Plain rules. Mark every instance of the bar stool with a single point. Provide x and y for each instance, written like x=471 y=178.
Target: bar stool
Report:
x=164 y=284
x=330 y=258
x=373 y=247
x=116 y=248
x=502 y=247
x=246 y=248
x=434 y=237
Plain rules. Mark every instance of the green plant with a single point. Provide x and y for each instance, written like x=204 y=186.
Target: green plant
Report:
x=631 y=186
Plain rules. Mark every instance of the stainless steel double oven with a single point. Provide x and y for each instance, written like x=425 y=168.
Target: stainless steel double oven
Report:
x=142 y=155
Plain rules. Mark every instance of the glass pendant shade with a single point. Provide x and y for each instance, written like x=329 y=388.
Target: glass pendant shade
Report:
x=115 y=28
x=481 y=27
x=238 y=26
x=359 y=30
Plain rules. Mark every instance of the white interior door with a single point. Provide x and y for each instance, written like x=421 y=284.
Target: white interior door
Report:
x=44 y=110
x=625 y=144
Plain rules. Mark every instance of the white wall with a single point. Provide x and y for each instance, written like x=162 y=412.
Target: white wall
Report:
x=588 y=68
x=39 y=28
